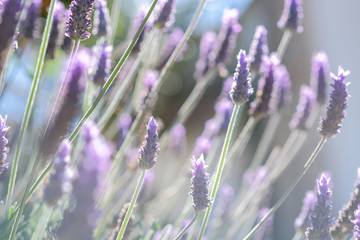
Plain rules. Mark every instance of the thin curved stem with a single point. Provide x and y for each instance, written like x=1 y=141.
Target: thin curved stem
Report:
x=131 y=206
x=186 y=227
x=289 y=190
x=284 y=42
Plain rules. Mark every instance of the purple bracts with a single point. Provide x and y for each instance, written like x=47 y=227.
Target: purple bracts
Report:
x=3 y=142
x=226 y=39
x=28 y=24
x=241 y=89
x=265 y=231
x=137 y=23
x=319 y=77
x=202 y=146
x=320 y=217
x=356 y=222
x=177 y=140
x=79 y=22
x=302 y=222
x=103 y=65
x=304 y=109
x=258 y=49
x=57 y=30
x=200 y=184
x=148 y=151
x=206 y=45
x=330 y=125
x=282 y=88
x=101 y=19
x=124 y=125
x=61 y=176
x=165 y=15
x=292 y=16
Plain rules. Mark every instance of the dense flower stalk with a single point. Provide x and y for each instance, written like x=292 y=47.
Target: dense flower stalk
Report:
x=206 y=44
x=28 y=24
x=149 y=81
x=202 y=146
x=120 y=220
x=103 y=65
x=292 y=16
x=61 y=176
x=320 y=217
x=79 y=22
x=57 y=30
x=319 y=77
x=200 y=184
x=258 y=49
x=177 y=140
x=94 y=163
x=124 y=125
x=226 y=40
x=356 y=222
x=226 y=198
x=302 y=222
x=261 y=106
x=265 y=231
x=223 y=111
x=148 y=151
x=241 y=89
x=165 y=15
x=137 y=23
x=304 y=109
x=102 y=25
x=282 y=88
x=330 y=125
x=344 y=225
x=3 y=142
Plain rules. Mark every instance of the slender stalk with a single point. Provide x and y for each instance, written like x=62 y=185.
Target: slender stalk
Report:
x=42 y=224
x=289 y=190
x=131 y=206
x=220 y=168
x=30 y=101
x=113 y=75
x=115 y=13
x=284 y=42
x=186 y=227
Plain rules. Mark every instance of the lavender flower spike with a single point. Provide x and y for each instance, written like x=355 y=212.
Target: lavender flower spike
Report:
x=28 y=24
x=292 y=16
x=200 y=184
x=79 y=22
x=356 y=222
x=103 y=65
x=101 y=19
x=3 y=142
x=282 y=88
x=320 y=218
x=165 y=13
x=265 y=231
x=150 y=147
x=302 y=222
x=258 y=49
x=241 y=89
x=206 y=44
x=319 y=75
x=304 y=109
x=57 y=30
x=330 y=125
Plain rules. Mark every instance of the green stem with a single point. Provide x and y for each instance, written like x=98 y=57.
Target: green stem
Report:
x=289 y=190
x=186 y=227
x=115 y=13
x=220 y=168
x=30 y=101
x=284 y=42
x=42 y=224
x=131 y=206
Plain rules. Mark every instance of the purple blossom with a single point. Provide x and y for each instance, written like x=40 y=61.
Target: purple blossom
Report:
x=241 y=89
x=177 y=140
x=137 y=23
x=223 y=111
x=261 y=106
x=165 y=13
x=206 y=45
x=226 y=40
x=302 y=222
x=258 y=49
x=3 y=141
x=319 y=76
x=211 y=129
x=282 y=88
x=56 y=33
x=124 y=125
x=150 y=80
x=226 y=198
x=148 y=151
x=202 y=146
x=226 y=88
x=304 y=109
x=356 y=223
x=61 y=176
x=320 y=217
x=292 y=16
x=101 y=19
x=103 y=65
x=200 y=184
x=28 y=24
x=265 y=231
x=79 y=22
x=330 y=125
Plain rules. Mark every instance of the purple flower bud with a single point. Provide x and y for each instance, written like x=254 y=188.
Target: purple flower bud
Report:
x=150 y=147
x=320 y=217
x=206 y=45
x=226 y=39
x=241 y=89
x=261 y=107
x=223 y=111
x=344 y=225
x=165 y=13
x=69 y=108
x=302 y=222
x=200 y=184
x=177 y=140
x=137 y=23
x=258 y=49
x=103 y=65
x=57 y=30
x=3 y=141
x=124 y=125
x=330 y=125
x=265 y=231
x=150 y=80
x=79 y=22
x=304 y=109
x=319 y=77
x=94 y=163
x=101 y=19
x=202 y=146
x=226 y=198
x=60 y=178
x=28 y=24
x=211 y=129
x=356 y=223
x=292 y=16
x=282 y=88
x=226 y=88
